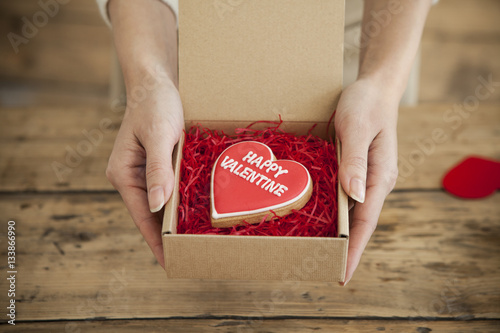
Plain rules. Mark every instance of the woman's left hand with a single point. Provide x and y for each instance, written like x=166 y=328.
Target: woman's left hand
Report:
x=365 y=124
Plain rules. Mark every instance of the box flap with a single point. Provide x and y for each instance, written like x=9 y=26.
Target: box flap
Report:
x=170 y=216
x=254 y=60
x=342 y=202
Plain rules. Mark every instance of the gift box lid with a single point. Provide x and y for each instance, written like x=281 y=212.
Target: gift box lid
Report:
x=243 y=60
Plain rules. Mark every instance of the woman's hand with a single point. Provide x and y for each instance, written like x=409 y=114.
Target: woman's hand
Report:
x=140 y=166
x=365 y=123
x=366 y=117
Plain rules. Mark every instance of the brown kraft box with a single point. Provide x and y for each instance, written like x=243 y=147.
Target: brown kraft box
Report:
x=247 y=60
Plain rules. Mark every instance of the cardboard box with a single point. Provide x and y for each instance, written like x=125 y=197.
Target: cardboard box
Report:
x=246 y=60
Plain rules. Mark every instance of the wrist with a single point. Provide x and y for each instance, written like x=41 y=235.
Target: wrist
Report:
x=391 y=84
x=147 y=72
x=369 y=94
x=143 y=81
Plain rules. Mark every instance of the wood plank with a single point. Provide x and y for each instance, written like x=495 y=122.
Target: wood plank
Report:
x=458 y=18
x=81 y=257
x=34 y=138
x=74 y=46
x=26 y=94
x=450 y=70
x=268 y=325
x=453 y=52
x=78 y=55
x=52 y=148
x=425 y=157
x=75 y=12
x=66 y=63
x=461 y=41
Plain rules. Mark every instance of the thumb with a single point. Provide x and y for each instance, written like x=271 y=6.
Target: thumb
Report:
x=353 y=166
x=159 y=174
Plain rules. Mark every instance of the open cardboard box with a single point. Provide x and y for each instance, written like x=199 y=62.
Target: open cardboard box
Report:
x=243 y=61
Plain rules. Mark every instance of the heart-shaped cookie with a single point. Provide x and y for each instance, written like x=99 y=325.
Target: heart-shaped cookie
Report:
x=248 y=182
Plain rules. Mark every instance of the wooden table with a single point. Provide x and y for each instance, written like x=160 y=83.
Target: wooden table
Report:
x=432 y=265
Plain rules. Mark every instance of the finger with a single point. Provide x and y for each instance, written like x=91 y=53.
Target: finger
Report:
x=159 y=173
x=363 y=224
x=381 y=180
x=353 y=162
x=149 y=224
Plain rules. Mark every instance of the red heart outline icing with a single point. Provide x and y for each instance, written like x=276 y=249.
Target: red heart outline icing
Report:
x=233 y=193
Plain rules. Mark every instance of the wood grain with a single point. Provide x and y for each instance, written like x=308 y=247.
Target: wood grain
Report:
x=453 y=53
x=56 y=148
x=433 y=138
x=458 y=18
x=432 y=265
x=254 y=326
x=461 y=41
x=81 y=257
x=72 y=12
x=451 y=69
x=84 y=59
x=73 y=46
x=34 y=138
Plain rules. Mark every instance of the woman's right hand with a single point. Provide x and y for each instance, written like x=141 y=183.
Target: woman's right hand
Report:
x=140 y=165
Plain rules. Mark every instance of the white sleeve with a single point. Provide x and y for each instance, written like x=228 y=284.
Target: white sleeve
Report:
x=103 y=8
x=173 y=4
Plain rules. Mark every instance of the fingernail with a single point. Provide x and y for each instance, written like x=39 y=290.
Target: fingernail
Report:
x=357 y=190
x=156 y=199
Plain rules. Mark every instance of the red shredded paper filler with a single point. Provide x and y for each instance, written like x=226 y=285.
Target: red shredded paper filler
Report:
x=318 y=218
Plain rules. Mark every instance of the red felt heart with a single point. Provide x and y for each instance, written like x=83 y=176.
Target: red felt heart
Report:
x=247 y=179
x=474 y=177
